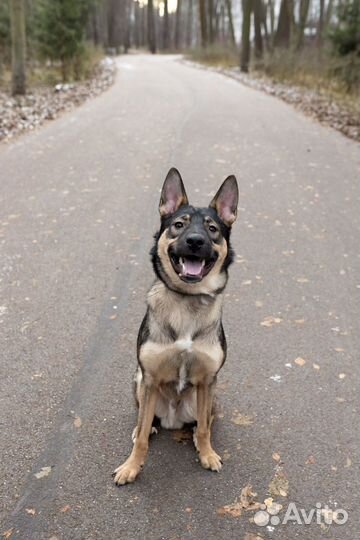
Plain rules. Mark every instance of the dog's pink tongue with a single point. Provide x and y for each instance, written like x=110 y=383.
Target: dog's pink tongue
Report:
x=192 y=268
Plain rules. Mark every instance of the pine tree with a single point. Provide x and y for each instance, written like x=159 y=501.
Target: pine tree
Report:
x=61 y=30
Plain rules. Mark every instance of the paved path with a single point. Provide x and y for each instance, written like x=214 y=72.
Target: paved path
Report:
x=78 y=209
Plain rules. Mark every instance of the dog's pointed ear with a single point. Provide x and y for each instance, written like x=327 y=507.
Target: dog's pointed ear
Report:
x=226 y=200
x=173 y=194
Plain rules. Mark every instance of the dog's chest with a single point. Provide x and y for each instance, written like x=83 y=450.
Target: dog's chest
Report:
x=189 y=318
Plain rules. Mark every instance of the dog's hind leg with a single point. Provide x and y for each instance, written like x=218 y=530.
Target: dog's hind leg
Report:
x=208 y=457
x=128 y=471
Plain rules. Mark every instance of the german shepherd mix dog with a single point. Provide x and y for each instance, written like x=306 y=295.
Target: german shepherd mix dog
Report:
x=181 y=343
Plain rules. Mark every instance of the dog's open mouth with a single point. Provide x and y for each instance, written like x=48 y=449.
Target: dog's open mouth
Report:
x=191 y=268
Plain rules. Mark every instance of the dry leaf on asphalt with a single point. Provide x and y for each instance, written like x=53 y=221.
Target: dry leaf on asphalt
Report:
x=300 y=361
x=316 y=366
x=270 y=321
x=242 y=419
x=276 y=456
x=65 y=508
x=247 y=498
x=44 y=471
x=252 y=536
x=279 y=485
x=348 y=463
x=8 y=533
x=342 y=375
x=30 y=511
x=77 y=422
x=245 y=502
x=310 y=460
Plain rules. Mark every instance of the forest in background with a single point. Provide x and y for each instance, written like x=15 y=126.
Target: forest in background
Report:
x=307 y=40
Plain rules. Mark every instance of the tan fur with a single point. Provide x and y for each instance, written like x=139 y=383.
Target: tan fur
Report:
x=177 y=378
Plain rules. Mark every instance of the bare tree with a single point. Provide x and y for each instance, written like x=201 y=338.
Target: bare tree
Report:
x=166 y=32
x=231 y=23
x=203 y=23
x=320 y=26
x=189 y=24
x=283 y=32
x=245 y=35
x=151 y=27
x=18 y=47
x=177 y=25
x=303 y=15
x=258 y=19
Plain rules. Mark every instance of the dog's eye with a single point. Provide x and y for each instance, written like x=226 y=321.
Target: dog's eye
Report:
x=178 y=224
x=212 y=228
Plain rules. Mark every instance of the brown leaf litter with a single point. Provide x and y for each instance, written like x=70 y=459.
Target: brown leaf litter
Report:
x=245 y=502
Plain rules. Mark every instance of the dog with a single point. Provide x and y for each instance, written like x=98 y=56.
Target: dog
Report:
x=181 y=343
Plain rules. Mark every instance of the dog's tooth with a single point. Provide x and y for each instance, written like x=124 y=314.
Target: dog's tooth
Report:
x=203 y=263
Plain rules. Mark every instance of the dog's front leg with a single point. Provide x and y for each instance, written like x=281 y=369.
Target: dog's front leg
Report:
x=208 y=457
x=128 y=471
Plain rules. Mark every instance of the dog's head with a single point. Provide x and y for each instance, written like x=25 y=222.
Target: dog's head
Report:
x=192 y=249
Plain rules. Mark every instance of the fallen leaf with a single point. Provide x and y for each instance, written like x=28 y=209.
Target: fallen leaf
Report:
x=342 y=375
x=182 y=435
x=7 y=533
x=247 y=498
x=340 y=399
x=270 y=321
x=246 y=502
x=310 y=460
x=226 y=455
x=242 y=420
x=279 y=485
x=316 y=366
x=333 y=468
x=338 y=349
x=113 y=317
x=44 y=471
x=189 y=510
x=348 y=463
x=30 y=511
x=302 y=280
x=77 y=422
x=276 y=456
x=65 y=508
x=300 y=361
x=252 y=536
x=258 y=303
x=299 y=321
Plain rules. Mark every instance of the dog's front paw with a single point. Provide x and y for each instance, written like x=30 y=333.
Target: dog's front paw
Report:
x=127 y=472
x=211 y=460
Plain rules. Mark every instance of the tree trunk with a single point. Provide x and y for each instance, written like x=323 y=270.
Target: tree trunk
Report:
x=178 y=25
x=166 y=25
x=211 y=21
x=18 y=47
x=272 y=20
x=328 y=16
x=203 y=23
x=303 y=15
x=282 y=36
x=189 y=24
x=231 y=23
x=151 y=27
x=245 y=35
x=258 y=17
x=320 y=26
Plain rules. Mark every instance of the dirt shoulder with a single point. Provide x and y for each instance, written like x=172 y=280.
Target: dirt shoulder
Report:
x=24 y=113
x=342 y=116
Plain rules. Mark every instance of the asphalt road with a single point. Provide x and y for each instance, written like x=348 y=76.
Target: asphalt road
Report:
x=78 y=209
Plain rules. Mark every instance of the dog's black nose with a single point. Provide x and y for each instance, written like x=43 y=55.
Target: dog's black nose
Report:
x=195 y=241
